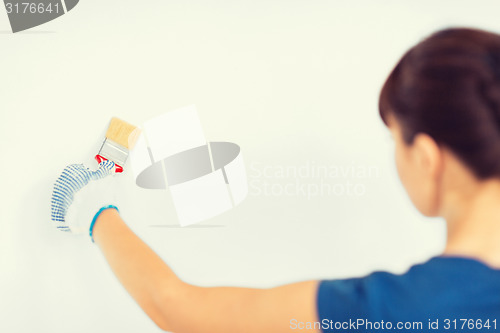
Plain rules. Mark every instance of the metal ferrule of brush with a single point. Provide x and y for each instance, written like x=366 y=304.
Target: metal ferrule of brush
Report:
x=113 y=151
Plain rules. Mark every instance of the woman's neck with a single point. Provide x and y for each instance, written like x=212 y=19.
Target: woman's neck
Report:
x=474 y=225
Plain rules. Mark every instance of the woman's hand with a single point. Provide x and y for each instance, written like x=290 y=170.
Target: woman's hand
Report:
x=80 y=194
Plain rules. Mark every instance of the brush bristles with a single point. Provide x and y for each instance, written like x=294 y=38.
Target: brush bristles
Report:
x=122 y=133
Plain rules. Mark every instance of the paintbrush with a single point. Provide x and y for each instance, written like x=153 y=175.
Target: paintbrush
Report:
x=120 y=138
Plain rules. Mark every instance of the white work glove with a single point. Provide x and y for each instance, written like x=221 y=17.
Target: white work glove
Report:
x=80 y=195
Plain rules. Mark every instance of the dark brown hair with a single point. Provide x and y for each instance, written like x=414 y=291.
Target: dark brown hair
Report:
x=448 y=86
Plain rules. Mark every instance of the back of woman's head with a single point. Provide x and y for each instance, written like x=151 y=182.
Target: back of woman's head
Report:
x=448 y=86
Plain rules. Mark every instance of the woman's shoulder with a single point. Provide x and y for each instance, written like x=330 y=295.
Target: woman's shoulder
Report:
x=453 y=266
x=437 y=274
x=441 y=286
x=436 y=270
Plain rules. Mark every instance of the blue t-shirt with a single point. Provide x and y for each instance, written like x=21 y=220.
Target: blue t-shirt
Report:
x=444 y=294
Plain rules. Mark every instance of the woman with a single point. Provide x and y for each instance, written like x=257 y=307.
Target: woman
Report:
x=442 y=105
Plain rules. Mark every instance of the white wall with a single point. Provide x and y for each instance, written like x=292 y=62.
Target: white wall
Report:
x=292 y=82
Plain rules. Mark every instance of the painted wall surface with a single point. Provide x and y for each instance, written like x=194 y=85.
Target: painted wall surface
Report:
x=294 y=83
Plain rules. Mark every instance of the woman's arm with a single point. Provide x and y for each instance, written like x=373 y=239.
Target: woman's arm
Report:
x=177 y=306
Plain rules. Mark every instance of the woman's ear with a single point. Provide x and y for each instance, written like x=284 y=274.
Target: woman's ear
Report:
x=429 y=160
x=428 y=155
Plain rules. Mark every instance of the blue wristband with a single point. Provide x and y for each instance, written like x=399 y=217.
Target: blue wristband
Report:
x=95 y=219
